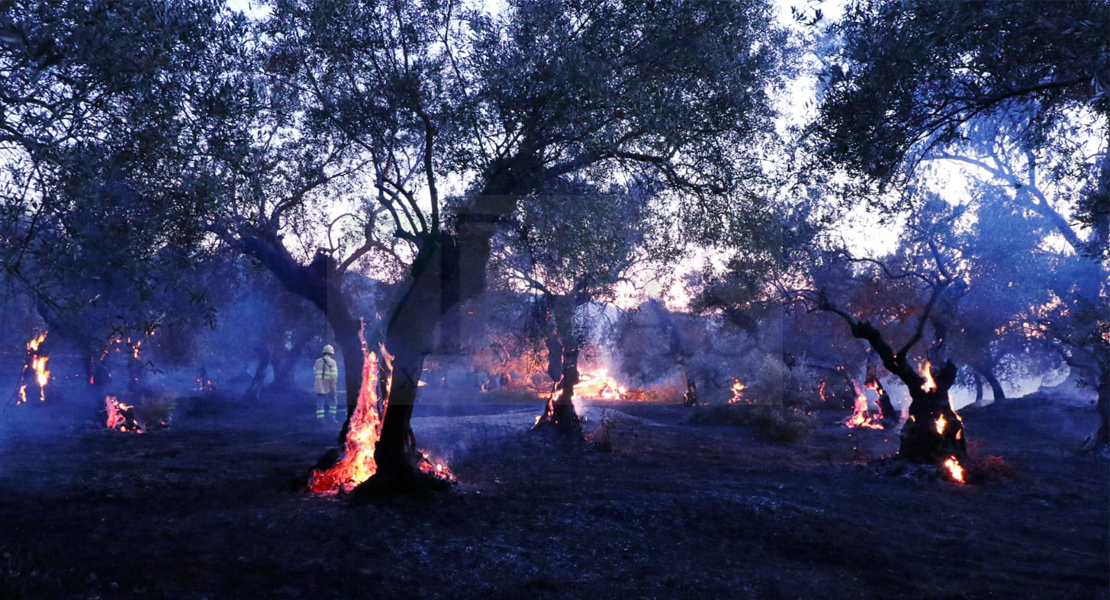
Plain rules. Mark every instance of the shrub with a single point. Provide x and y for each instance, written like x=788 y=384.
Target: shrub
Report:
x=153 y=411
x=769 y=423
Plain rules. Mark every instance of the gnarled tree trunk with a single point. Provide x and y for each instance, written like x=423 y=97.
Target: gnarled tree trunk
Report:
x=933 y=432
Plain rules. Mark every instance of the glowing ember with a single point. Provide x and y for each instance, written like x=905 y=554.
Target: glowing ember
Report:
x=120 y=415
x=955 y=470
x=438 y=469
x=357 y=463
x=821 y=390
x=861 y=413
x=737 y=392
x=927 y=373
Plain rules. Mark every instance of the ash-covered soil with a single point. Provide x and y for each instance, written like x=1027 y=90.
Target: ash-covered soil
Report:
x=205 y=509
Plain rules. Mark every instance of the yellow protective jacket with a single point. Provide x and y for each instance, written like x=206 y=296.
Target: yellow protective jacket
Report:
x=326 y=375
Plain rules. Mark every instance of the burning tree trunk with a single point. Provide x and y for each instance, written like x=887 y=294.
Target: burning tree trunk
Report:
x=449 y=269
x=934 y=432
x=886 y=407
x=690 y=398
x=560 y=411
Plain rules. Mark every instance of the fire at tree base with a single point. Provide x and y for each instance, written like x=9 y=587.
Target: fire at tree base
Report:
x=362 y=469
x=560 y=416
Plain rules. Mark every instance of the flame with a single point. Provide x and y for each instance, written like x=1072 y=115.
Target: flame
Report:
x=955 y=470
x=821 y=390
x=38 y=366
x=357 y=463
x=117 y=416
x=437 y=469
x=927 y=373
x=737 y=391
x=33 y=345
x=363 y=432
x=941 y=424
x=861 y=414
x=605 y=387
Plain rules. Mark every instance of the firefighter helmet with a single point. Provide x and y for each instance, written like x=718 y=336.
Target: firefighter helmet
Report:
x=328 y=349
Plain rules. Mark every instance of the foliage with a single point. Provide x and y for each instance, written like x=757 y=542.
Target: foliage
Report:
x=912 y=75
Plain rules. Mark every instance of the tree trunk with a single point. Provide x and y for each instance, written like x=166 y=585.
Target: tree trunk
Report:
x=1104 y=405
x=285 y=364
x=447 y=271
x=996 y=387
x=409 y=338
x=560 y=411
x=254 y=390
x=978 y=387
x=934 y=431
x=321 y=283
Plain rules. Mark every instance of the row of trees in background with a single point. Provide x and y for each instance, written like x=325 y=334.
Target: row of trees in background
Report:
x=437 y=118
x=567 y=145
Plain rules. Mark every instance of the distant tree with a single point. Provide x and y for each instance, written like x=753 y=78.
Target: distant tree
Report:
x=572 y=249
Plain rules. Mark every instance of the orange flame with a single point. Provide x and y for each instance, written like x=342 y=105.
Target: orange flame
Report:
x=737 y=391
x=955 y=470
x=437 y=469
x=357 y=463
x=38 y=366
x=927 y=373
x=861 y=413
x=117 y=419
x=606 y=387
x=941 y=424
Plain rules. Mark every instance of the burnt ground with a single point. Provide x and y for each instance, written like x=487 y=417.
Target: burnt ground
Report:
x=205 y=510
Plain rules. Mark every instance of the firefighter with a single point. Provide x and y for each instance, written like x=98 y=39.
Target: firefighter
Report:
x=326 y=378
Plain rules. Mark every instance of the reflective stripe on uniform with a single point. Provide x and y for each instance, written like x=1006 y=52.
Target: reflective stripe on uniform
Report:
x=326 y=368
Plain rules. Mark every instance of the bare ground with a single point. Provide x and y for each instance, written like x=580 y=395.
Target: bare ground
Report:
x=205 y=509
